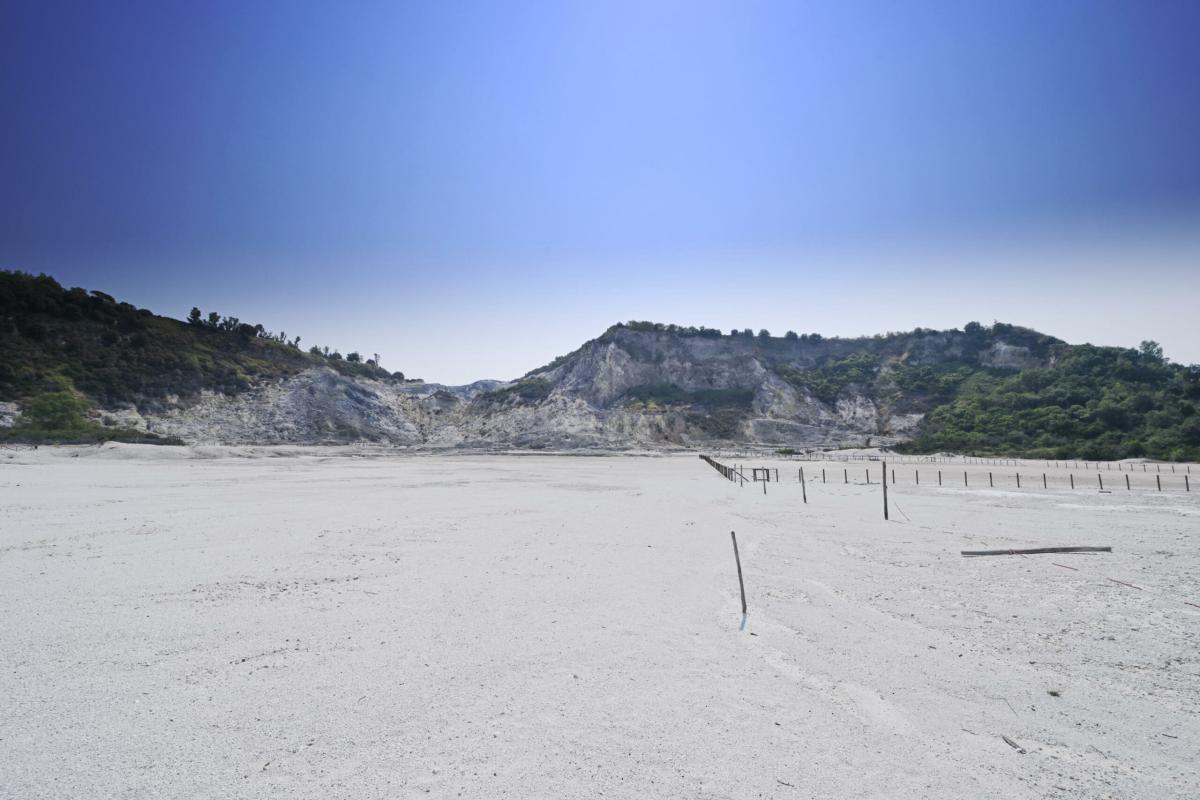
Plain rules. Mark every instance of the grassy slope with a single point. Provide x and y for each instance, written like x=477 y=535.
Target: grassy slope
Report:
x=105 y=353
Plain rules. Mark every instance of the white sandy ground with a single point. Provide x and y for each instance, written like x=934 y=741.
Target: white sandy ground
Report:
x=320 y=625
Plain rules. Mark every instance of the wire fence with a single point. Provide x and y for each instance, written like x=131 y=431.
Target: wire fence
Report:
x=1161 y=467
x=1004 y=474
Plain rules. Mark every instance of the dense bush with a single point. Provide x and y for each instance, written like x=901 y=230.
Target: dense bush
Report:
x=1101 y=403
x=55 y=411
x=835 y=376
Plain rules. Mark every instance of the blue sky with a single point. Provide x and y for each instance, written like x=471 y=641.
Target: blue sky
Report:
x=470 y=189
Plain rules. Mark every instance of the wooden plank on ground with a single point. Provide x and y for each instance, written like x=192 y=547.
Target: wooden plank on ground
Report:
x=1036 y=550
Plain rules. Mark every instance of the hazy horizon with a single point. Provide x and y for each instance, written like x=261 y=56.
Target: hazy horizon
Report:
x=471 y=191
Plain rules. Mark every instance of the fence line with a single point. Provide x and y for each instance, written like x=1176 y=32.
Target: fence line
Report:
x=1175 y=478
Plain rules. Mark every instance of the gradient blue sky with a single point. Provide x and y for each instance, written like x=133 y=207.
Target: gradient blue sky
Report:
x=471 y=189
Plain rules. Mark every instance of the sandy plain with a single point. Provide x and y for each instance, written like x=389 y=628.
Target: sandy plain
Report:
x=213 y=622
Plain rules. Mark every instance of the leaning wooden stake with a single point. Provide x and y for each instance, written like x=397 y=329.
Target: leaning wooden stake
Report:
x=1036 y=550
x=883 y=476
x=741 y=583
x=803 y=489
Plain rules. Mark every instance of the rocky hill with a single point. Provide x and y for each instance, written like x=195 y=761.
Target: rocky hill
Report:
x=80 y=366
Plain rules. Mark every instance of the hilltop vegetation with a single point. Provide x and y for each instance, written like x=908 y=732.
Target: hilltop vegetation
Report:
x=58 y=343
x=1101 y=403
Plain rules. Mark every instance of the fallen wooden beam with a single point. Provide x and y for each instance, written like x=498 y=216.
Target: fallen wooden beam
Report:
x=1013 y=744
x=1037 y=550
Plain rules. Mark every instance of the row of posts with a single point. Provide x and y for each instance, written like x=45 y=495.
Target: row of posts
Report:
x=1187 y=484
x=729 y=473
x=764 y=474
x=1010 y=462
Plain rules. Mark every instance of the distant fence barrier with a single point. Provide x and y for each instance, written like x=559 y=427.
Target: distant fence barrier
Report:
x=1123 y=479
x=729 y=473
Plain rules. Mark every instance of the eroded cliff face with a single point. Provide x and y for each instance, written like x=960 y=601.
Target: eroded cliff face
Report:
x=628 y=388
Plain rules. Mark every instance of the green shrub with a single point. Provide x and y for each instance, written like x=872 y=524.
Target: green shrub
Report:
x=55 y=411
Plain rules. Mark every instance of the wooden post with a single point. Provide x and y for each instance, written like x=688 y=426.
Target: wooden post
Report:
x=964 y=477
x=1187 y=486
x=741 y=583
x=893 y=476
x=1043 y=480
x=845 y=475
x=803 y=490
x=868 y=471
x=1101 y=479
x=822 y=474
x=990 y=481
x=1072 y=476
x=1158 y=478
x=1018 y=480
x=883 y=480
x=1127 y=481
x=939 y=477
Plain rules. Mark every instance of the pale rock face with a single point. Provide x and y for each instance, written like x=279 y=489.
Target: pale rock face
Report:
x=934 y=348
x=1012 y=356
x=905 y=425
x=124 y=418
x=580 y=402
x=317 y=406
x=857 y=412
x=777 y=398
x=8 y=414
